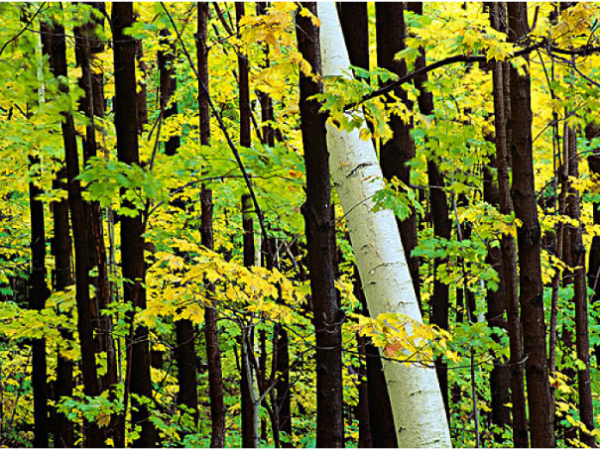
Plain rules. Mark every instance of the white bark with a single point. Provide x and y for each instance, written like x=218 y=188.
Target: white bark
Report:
x=415 y=395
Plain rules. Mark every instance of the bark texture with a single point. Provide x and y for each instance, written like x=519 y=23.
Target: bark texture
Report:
x=414 y=391
x=61 y=251
x=317 y=213
x=593 y=275
x=211 y=333
x=55 y=46
x=400 y=149
x=500 y=73
x=132 y=242
x=38 y=295
x=582 y=339
x=541 y=418
x=377 y=424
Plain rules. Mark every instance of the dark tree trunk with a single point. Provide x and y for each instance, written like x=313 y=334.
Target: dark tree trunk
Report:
x=61 y=251
x=400 y=149
x=250 y=436
x=215 y=377
x=582 y=340
x=244 y=87
x=55 y=46
x=495 y=316
x=211 y=332
x=363 y=413
x=85 y=49
x=266 y=103
x=354 y=18
x=282 y=386
x=142 y=105
x=528 y=236
x=442 y=225
x=132 y=241
x=319 y=229
x=593 y=275
x=508 y=247
x=37 y=299
x=202 y=59
x=168 y=85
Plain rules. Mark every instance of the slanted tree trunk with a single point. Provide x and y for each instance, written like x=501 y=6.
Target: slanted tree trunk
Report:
x=400 y=149
x=379 y=432
x=582 y=340
x=528 y=237
x=328 y=317
x=55 y=46
x=132 y=241
x=414 y=390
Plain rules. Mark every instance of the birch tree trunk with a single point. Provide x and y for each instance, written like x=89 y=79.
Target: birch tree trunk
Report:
x=414 y=390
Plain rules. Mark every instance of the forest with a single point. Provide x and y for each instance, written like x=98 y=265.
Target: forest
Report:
x=285 y=224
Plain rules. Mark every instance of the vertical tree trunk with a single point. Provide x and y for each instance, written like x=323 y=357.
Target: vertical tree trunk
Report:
x=85 y=46
x=250 y=436
x=202 y=60
x=317 y=215
x=415 y=396
x=55 y=46
x=215 y=377
x=132 y=242
x=211 y=332
x=282 y=386
x=61 y=251
x=442 y=225
x=509 y=258
x=362 y=413
x=354 y=18
x=400 y=149
x=582 y=340
x=379 y=432
x=244 y=88
x=528 y=236
x=37 y=299
x=593 y=275
x=266 y=103
x=142 y=105
x=495 y=316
